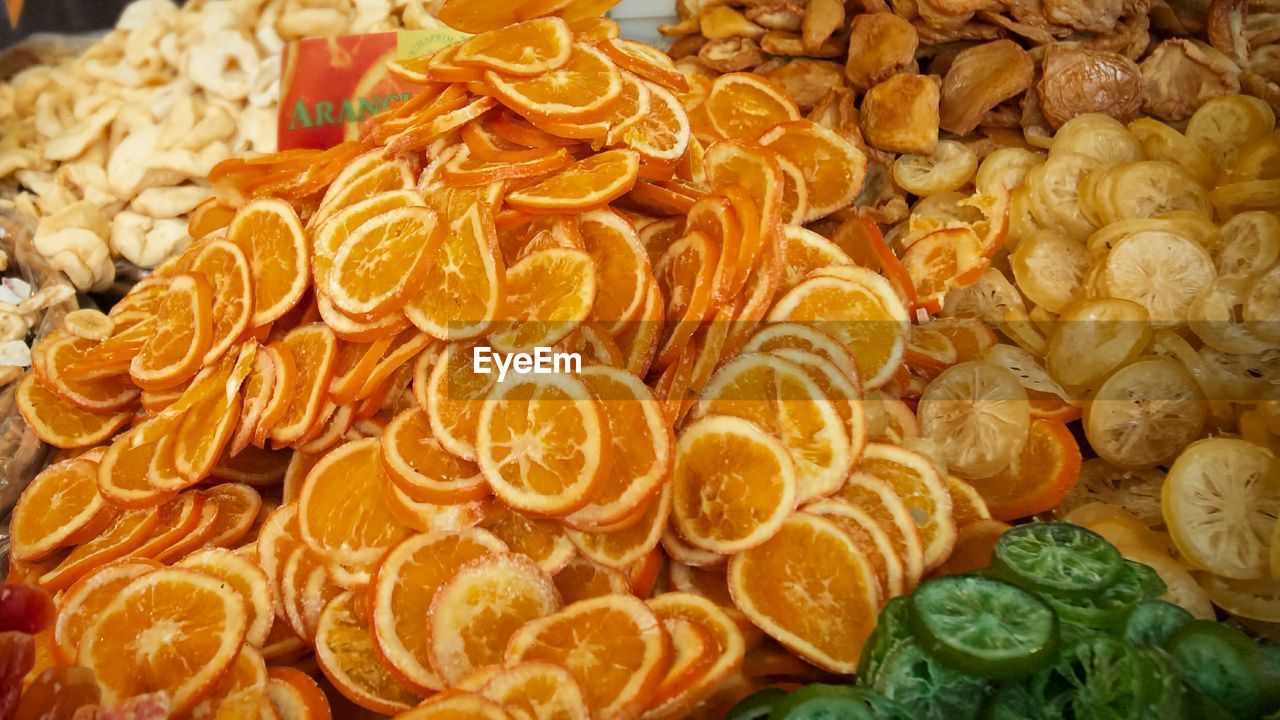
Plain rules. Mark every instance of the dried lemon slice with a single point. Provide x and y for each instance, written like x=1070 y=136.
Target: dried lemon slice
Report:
x=1137 y=491
x=990 y=299
x=1055 y=192
x=1005 y=169
x=1161 y=142
x=1026 y=367
x=948 y=168
x=1098 y=136
x=978 y=414
x=1145 y=189
x=1212 y=317
x=1145 y=413
x=1224 y=125
x=1050 y=268
x=1262 y=306
x=1249 y=244
x=1162 y=272
x=1220 y=501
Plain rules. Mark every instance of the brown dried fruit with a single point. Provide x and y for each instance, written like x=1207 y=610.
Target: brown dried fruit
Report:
x=1087 y=15
x=837 y=112
x=1262 y=88
x=777 y=42
x=1037 y=34
x=780 y=15
x=1005 y=116
x=880 y=200
x=821 y=19
x=981 y=78
x=686 y=46
x=1181 y=75
x=1227 y=22
x=687 y=26
x=722 y=21
x=728 y=55
x=1076 y=81
x=806 y=81
x=1130 y=38
x=1265 y=61
x=968 y=31
x=901 y=114
x=879 y=46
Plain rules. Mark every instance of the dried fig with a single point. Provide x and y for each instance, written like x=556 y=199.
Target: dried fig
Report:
x=879 y=45
x=901 y=114
x=1180 y=75
x=1076 y=81
x=981 y=78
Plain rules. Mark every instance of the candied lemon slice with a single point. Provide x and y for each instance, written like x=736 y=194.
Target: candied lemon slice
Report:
x=1145 y=413
x=1005 y=169
x=1262 y=306
x=978 y=414
x=1098 y=136
x=1249 y=244
x=1050 y=268
x=1224 y=125
x=1212 y=317
x=1162 y=272
x=948 y=168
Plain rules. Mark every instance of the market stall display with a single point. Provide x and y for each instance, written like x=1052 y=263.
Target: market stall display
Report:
x=837 y=355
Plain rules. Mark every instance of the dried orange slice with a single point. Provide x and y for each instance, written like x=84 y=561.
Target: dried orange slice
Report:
x=258 y=392
x=306 y=586
x=88 y=597
x=727 y=652
x=237 y=508
x=915 y=479
x=171 y=630
x=383 y=261
x=179 y=546
x=312 y=348
x=541 y=690
x=638 y=467
x=175 y=348
x=879 y=500
x=743 y=106
x=588 y=184
x=1038 y=478
x=691 y=654
x=472 y=18
x=227 y=269
x=626 y=637
x=582 y=579
x=209 y=217
x=543 y=444
x=811 y=588
x=477 y=611
x=579 y=90
x=242 y=691
x=467 y=168
x=405 y=347
x=639 y=341
x=833 y=168
x=780 y=397
x=295 y=696
x=246 y=578
x=646 y=61
x=346 y=654
x=270 y=234
x=975 y=544
x=685 y=275
x=799 y=336
x=61 y=506
x=620 y=549
x=755 y=170
x=871 y=537
x=417 y=463
x=179 y=519
x=662 y=135
x=542 y=540
x=56 y=352
x=284 y=385
x=524 y=49
x=342 y=511
x=967 y=505
x=403 y=586
x=549 y=293
x=733 y=484
x=715 y=216
x=622 y=268
x=203 y=433
x=364 y=177
x=331 y=234
x=277 y=537
x=254 y=467
x=860 y=309
x=467 y=282
x=456 y=705
x=126 y=532
x=452 y=397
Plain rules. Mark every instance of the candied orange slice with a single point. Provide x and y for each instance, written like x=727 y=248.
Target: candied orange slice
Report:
x=246 y=578
x=87 y=598
x=56 y=352
x=125 y=533
x=833 y=168
x=306 y=586
x=582 y=579
x=237 y=508
x=691 y=654
x=682 y=552
x=524 y=49
x=735 y=162
x=124 y=474
x=346 y=654
x=465 y=168
x=543 y=443
x=295 y=696
x=312 y=348
x=179 y=546
x=342 y=511
x=638 y=467
x=452 y=398
x=685 y=275
x=382 y=261
x=477 y=611
x=646 y=61
x=455 y=705
x=403 y=586
x=171 y=630
x=259 y=389
x=284 y=385
x=1038 y=478
x=588 y=184
x=203 y=433
x=620 y=549
x=60 y=507
x=733 y=484
x=331 y=234
x=60 y=423
x=811 y=588
x=369 y=175
x=178 y=519
x=242 y=690
x=549 y=293
x=715 y=216
x=727 y=652
x=915 y=479
x=542 y=540
x=860 y=309
x=175 y=348
x=270 y=234
x=580 y=90
x=626 y=638
x=795 y=192
x=466 y=282
x=744 y=106
x=662 y=135
x=227 y=269
x=639 y=341
x=405 y=347
x=422 y=468
x=632 y=104
x=208 y=217
x=871 y=537
x=622 y=268
x=540 y=689
x=890 y=511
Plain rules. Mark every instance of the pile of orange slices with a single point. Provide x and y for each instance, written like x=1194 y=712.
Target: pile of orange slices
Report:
x=282 y=446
